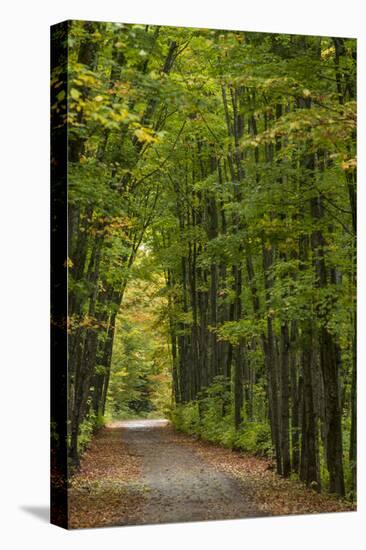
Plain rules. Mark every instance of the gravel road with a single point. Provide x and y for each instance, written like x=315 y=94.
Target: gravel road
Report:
x=179 y=484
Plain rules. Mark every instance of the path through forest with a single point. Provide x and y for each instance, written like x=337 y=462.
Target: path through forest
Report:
x=144 y=472
x=183 y=486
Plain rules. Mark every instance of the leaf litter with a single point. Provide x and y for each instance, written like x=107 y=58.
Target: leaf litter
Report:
x=115 y=482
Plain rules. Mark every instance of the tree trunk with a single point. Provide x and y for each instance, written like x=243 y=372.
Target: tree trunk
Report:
x=285 y=395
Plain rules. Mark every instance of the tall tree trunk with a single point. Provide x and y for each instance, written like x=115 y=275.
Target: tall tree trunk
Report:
x=295 y=419
x=285 y=395
x=329 y=363
x=271 y=367
x=309 y=466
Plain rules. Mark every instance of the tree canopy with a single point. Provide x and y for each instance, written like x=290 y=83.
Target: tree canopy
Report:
x=212 y=225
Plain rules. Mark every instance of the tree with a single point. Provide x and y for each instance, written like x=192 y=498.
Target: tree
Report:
x=229 y=159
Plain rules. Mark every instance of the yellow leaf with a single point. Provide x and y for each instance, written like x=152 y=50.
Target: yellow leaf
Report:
x=348 y=165
x=75 y=94
x=328 y=52
x=145 y=135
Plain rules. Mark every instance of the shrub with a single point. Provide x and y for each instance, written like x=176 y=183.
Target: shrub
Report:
x=210 y=417
x=186 y=418
x=255 y=438
x=86 y=431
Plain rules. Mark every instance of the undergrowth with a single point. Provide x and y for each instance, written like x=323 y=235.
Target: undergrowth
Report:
x=204 y=419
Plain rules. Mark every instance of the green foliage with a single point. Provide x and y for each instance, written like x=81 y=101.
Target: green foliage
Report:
x=253 y=437
x=212 y=202
x=87 y=428
x=210 y=418
x=186 y=418
x=140 y=377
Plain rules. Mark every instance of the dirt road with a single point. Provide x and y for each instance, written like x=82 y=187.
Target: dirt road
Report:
x=145 y=472
x=180 y=485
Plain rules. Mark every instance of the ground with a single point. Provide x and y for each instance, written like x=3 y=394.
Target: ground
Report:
x=145 y=472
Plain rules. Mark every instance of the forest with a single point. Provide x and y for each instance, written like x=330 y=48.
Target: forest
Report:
x=212 y=240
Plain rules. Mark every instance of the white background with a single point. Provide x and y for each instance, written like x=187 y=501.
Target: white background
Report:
x=24 y=305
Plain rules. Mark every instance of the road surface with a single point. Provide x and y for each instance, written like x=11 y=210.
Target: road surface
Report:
x=179 y=484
